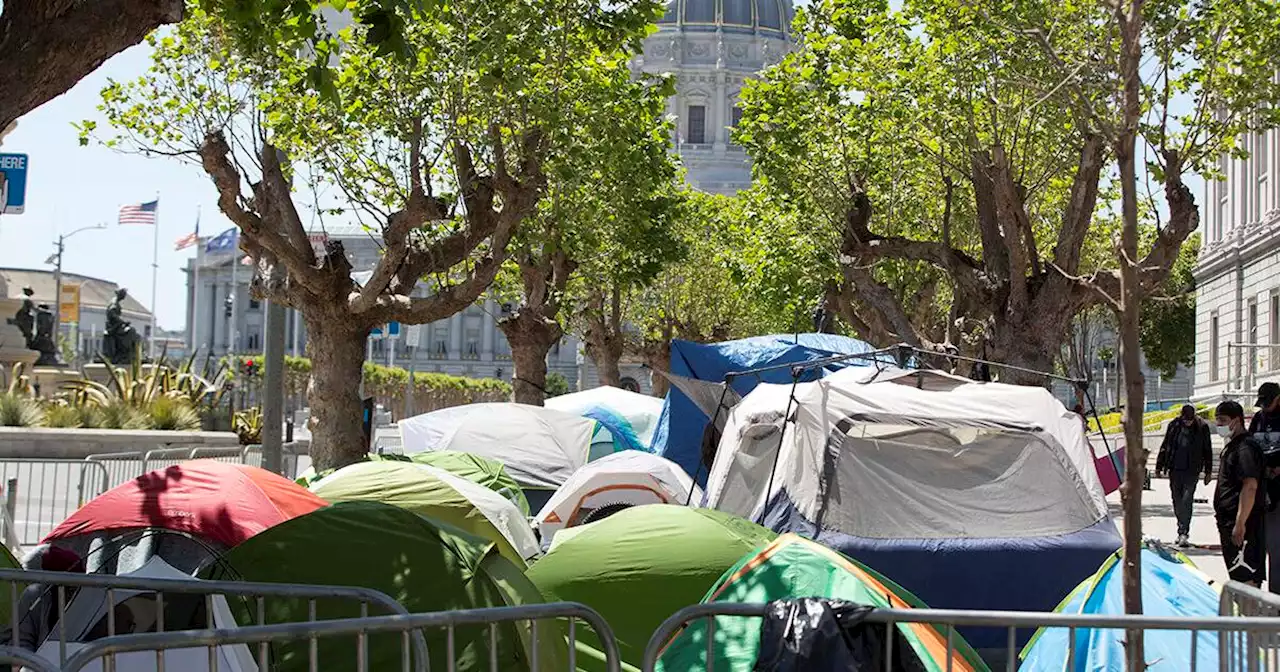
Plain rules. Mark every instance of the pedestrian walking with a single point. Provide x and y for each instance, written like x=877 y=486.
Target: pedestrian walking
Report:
x=1237 y=501
x=1265 y=428
x=1185 y=454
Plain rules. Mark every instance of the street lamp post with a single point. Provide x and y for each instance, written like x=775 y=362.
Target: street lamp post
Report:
x=57 y=277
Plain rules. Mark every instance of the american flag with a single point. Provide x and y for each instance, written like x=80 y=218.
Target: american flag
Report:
x=139 y=213
x=187 y=241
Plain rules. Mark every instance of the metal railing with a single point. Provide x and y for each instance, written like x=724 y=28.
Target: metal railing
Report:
x=61 y=588
x=1253 y=633
x=289 y=453
x=126 y=466
x=264 y=635
x=25 y=660
x=40 y=493
x=1242 y=600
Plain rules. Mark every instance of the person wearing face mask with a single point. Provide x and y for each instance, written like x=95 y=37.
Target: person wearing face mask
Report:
x=1237 y=501
x=1185 y=453
x=1265 y=428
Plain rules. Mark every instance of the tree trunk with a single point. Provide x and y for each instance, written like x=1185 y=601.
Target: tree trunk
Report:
x=603 y=337
x=337 y=359
x=1130 y=20
x=1029 y=347
x=657 y=356
x=531 y=337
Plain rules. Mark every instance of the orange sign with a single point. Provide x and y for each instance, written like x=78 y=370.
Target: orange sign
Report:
x=69 y=304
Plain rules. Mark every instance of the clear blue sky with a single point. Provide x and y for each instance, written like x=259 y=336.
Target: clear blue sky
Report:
x=70 y=186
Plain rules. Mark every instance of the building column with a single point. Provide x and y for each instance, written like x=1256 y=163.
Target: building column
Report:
x=718 y=114
x=487 y=326
x=455 y=336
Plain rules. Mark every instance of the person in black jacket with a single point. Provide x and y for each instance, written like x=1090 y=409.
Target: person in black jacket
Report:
x=1185 y=453
x=1265 y=427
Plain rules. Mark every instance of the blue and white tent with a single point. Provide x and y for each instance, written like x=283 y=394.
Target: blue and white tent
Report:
x=1171 y=586
x=969 y=495
x=679 y=433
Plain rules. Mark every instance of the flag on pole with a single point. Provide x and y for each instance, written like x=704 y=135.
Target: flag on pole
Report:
x=186 y=241
x=139 y=213
x=191 y=238
x=223 y=242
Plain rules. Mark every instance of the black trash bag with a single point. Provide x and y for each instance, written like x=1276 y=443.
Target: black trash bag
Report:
x=818 y=635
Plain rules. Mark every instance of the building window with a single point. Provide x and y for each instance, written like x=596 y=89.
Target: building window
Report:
x=254 y=304
x=1253 y=338
x=1273 y=327
x=255 y=341
x=471 y=348
x=697 y=124
x=1215 y=374
x=441 y=350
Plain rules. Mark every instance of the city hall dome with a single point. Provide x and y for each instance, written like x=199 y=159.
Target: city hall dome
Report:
x=748 y=16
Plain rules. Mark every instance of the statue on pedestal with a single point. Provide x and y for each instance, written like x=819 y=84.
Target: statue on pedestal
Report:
x=25 y=318
x=120 y=342
x=44 y=341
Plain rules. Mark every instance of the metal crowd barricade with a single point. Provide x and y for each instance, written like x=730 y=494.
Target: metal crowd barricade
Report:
x=121 y=467
x=1239 y=599
x=1257 y=631
x=40 y=493
x=25 y=659
x=362 y=627
x=163 y=458
x=58 y=584
x=252 y=455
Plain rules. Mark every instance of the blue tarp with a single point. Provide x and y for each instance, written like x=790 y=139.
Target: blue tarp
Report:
x=1170 y=587
x=679 y=434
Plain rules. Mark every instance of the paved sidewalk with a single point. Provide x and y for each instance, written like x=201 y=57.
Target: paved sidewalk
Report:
x=1159 y=522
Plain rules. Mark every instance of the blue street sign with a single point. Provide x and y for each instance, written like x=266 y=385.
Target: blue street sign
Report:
x=13 y=186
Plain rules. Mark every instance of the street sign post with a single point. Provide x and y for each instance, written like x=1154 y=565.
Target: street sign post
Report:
x=13 y=183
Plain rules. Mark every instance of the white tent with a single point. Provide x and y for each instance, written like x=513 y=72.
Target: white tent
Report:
x=540 y=447
x=626 y=478
x=969 y=495
x=640 y=412
x=875 y=428
x=136 y=611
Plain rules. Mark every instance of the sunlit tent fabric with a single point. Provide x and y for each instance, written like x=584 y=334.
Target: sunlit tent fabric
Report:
x=218 y=501
x=1171 y=586
x=792 y=567
x=640 y=566
x=423 y=564
x=540 y=447
x=623 y=479
x=679 y=432
x=628 y=418
x=475 y=468
x=87 y=620
x=437 y=494
x=977 y=495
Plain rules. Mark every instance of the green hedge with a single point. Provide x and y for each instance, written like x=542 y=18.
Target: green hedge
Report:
x=388 y=384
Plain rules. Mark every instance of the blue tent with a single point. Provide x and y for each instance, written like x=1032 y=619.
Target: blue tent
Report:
x=680 y=428
x=1171 y=586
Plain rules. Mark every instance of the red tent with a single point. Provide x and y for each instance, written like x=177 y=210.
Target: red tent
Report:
x=217 y=501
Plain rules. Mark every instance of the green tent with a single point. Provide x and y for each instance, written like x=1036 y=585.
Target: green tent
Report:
x=792 y=567
x=7 y=561
x=423 y=564
x=642 y=564
x=476 y=468
x=438 y=494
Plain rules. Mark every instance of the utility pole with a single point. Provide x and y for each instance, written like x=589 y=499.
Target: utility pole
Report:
x=57 y=276
x=273 y=392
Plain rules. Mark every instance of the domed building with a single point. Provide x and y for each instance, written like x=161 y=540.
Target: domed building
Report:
x=712 y=46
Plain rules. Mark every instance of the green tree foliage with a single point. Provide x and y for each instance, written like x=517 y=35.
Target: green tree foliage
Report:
x=947 y=159
x=442 y=145
x=1168 y=326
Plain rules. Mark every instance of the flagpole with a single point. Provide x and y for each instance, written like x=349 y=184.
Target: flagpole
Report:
x=195 y=292
x=155 y=268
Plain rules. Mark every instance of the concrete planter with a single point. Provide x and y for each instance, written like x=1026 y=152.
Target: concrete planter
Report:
x=75 y=444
